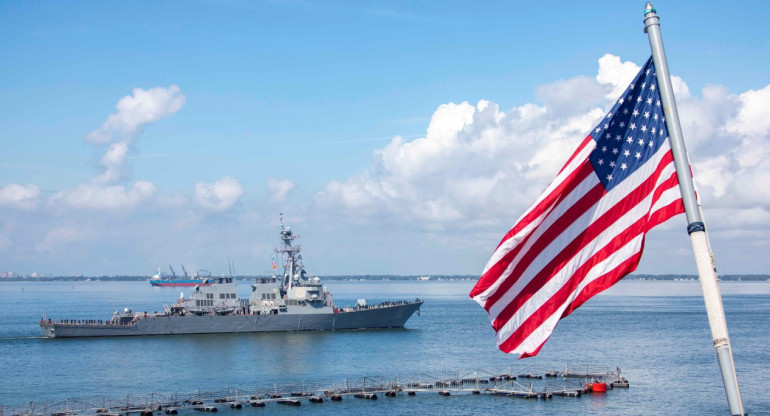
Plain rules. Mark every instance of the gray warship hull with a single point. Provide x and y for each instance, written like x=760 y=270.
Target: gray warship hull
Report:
x=390 y=316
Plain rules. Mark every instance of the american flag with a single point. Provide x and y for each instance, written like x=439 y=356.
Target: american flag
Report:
x=586 y=231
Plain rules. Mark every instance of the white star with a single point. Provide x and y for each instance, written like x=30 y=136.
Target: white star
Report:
x=638 y=155
x=617 y=137
x=639 y=99
x=612 y=164
x=614 y=150
x=649 y=101
x=652 y=87
x=621 y=100
x=655 y=116
x=647 y=72
x=644 y=128
x=609 y=177
x=625 y=111
x=597 y=129
x=660 y=132
x=644 y=84
x=636 y=112
x=607 y=136
x=657 y=103
x=653 y=130
x=604 y=148
x=646 y=114
x=626 y=153
x=630 y=139
x=622 y=123
x=609 y=114
x=600 y=162
x=623 y=166
x=632 y=86
x=633 y=126
x=606 y=126
x=641 y=142
x=650 y=143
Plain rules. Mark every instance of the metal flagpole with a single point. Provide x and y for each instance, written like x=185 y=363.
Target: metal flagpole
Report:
x=703 y=259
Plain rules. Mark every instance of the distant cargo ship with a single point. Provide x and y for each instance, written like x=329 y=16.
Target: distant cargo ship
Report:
x=203 y=277
x=292 y=302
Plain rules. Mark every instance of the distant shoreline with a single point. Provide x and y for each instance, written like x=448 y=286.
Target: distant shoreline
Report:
x=648 y=277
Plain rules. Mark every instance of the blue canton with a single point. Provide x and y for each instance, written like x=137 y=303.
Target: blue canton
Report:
x=631 y=132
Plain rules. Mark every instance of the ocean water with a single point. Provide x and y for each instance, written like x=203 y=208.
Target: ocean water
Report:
x=656 y=332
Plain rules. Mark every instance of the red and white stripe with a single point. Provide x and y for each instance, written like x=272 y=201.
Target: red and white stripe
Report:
x=575 y=241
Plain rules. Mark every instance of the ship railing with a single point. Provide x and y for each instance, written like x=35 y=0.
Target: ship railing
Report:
x=385 y=304
x=86 y=322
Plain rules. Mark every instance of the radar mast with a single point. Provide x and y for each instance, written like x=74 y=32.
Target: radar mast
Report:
x=293 y=269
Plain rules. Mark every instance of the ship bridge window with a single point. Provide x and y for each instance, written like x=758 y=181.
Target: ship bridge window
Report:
x=222 y=296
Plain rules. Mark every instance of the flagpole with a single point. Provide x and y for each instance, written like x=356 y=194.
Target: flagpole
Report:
x=703 y=257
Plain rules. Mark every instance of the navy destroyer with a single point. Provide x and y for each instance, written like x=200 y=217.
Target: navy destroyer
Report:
x=292 y=302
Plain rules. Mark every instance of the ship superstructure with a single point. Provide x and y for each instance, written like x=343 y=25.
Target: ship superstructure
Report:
x=294 y=301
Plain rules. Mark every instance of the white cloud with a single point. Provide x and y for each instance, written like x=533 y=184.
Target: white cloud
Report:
x=752 y=119
x=279 y=189
x=105 y=191
x=574 y=96
x=113 y=162
x=619 y=74
x=474 y=162
x=732 y=157
x=220 y=195
x=115 y=198
x=480 y=165
x=615 y=73
x=135 y=111
x=19 y=196
x=65 y=235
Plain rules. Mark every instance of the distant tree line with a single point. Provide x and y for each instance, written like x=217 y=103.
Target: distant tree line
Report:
x=731 y=277
x=727 y=277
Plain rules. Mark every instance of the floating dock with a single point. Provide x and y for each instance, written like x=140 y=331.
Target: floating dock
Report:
x=540 y=386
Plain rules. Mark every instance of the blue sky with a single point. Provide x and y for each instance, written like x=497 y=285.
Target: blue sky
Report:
x=324 y=111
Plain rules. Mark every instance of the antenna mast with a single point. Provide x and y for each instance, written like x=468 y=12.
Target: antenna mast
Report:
x=292 y=263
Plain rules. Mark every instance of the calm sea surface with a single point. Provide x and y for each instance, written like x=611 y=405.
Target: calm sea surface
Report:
x=657 y=332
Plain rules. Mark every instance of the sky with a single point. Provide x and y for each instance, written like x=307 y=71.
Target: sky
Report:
x=394 y=137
